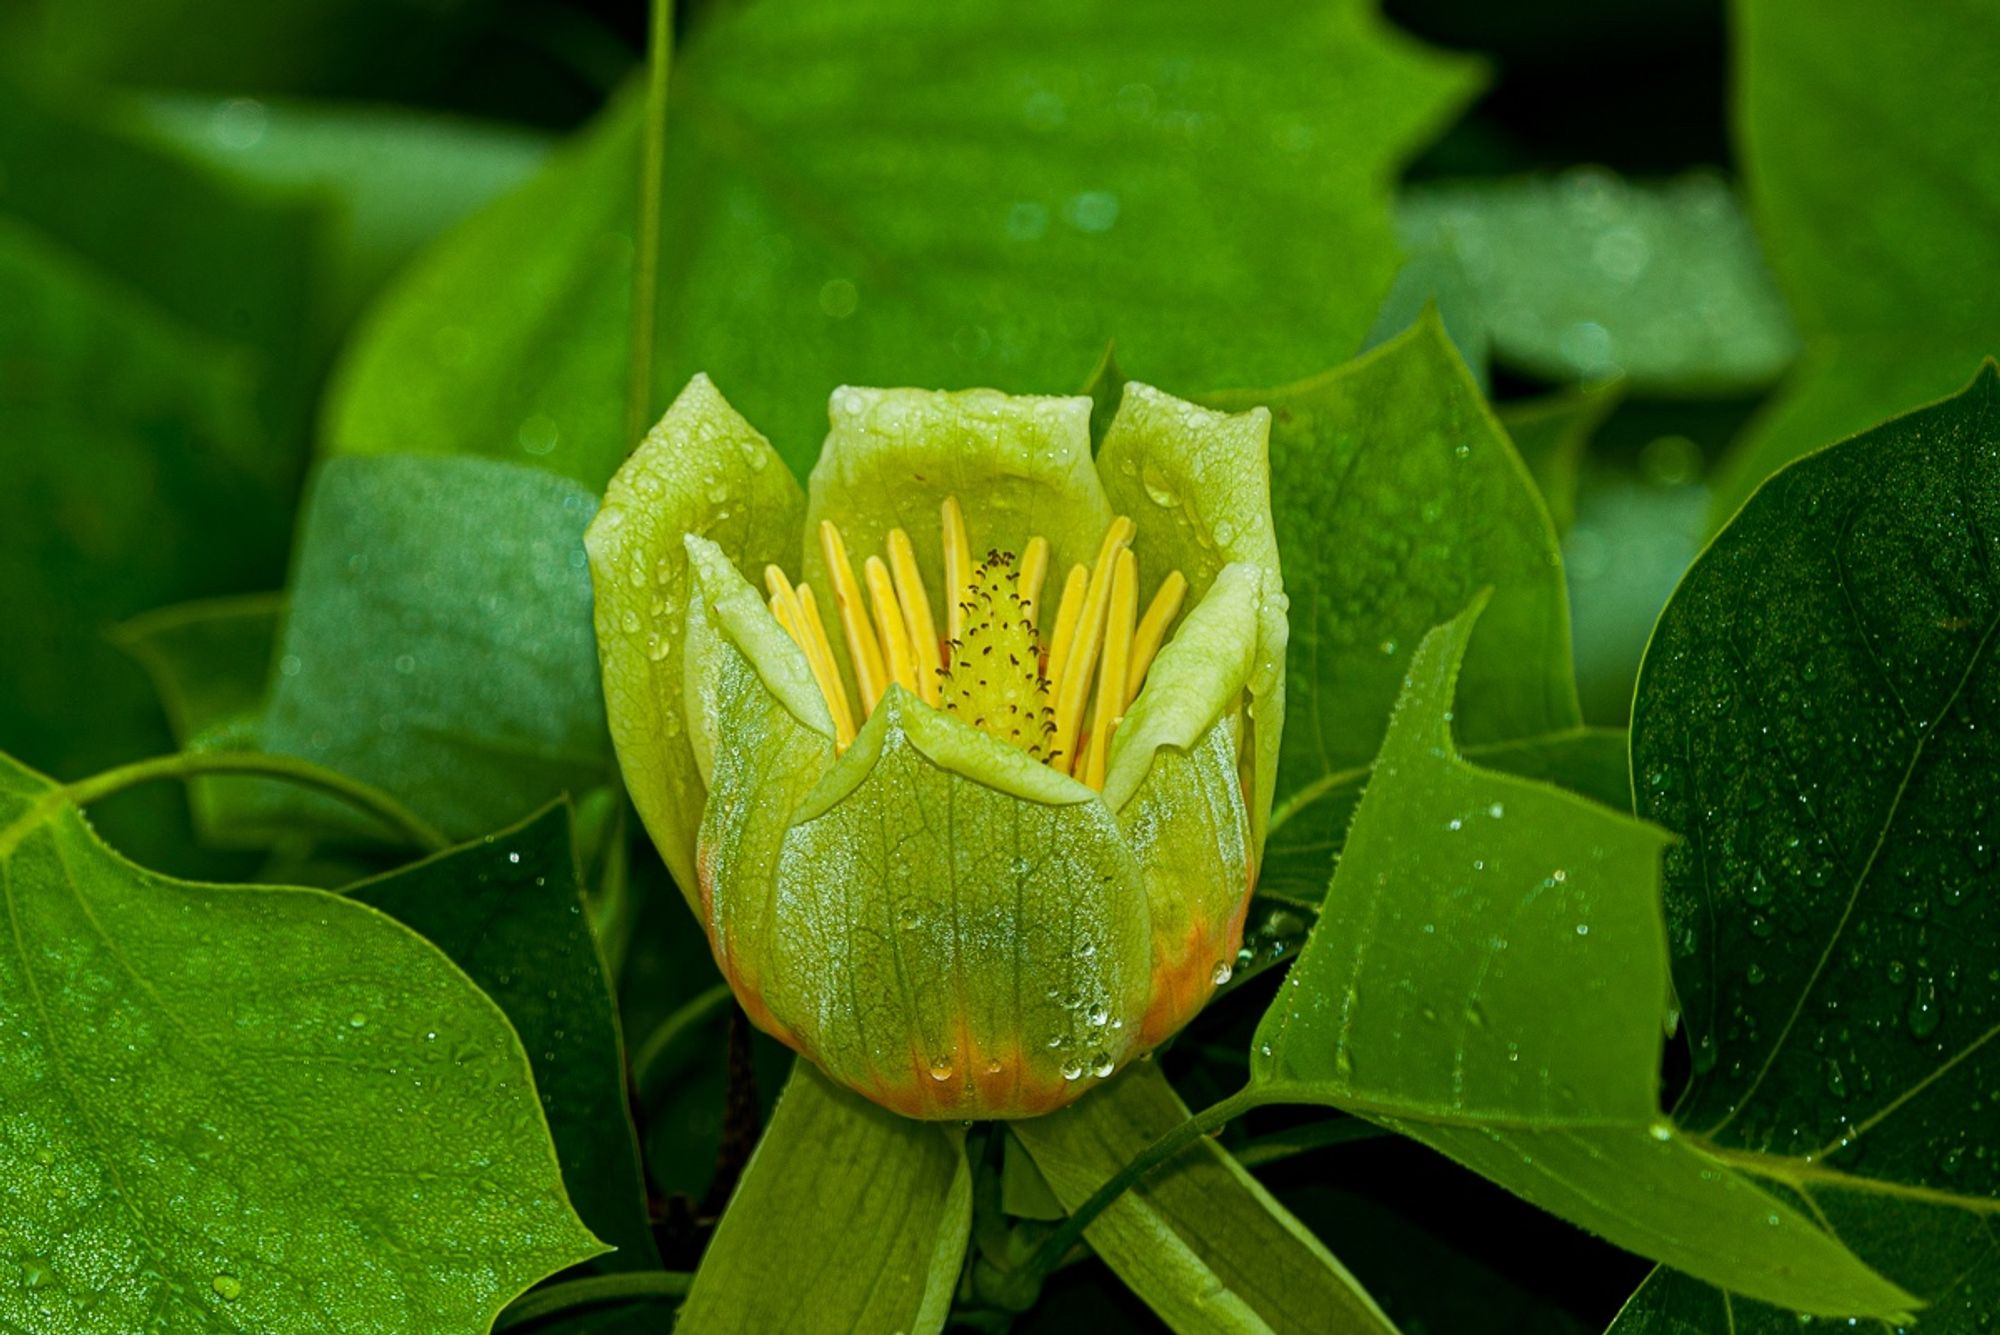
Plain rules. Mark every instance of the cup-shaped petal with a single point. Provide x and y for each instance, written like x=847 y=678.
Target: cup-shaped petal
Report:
x=936 y=919
x=702 y=470
x=1199 y=484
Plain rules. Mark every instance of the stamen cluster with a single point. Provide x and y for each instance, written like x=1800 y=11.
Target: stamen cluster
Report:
x=991 y=666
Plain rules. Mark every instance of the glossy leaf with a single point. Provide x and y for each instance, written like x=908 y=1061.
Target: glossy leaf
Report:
x=1488 y=976
x=1876 y=185
x=508 y=909
x=1396 y=498
x=438 y=643
x=1816 y=717
x=814 y=235
x=1200 y=1240
x=848 y=1218
x=1588 y=276
x=225 y=1112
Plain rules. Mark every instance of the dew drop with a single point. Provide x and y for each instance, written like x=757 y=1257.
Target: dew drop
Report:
x=941 y=1068
x=1221 y=973
x=227 y=1287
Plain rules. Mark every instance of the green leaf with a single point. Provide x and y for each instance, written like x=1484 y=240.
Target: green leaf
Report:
x=1396 y=497
x=1201 y=1241
x=1816 y=716
x=815 y=234
x=1875 y=181
x=848 y=1218
x=1488 y=976
x=1550 y=433
x=1588 y=276
x=438 y=643
x=224 y=1112
x=508 y=909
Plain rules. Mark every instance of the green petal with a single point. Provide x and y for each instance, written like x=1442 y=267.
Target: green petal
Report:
x=704 y=470
x=747 y=682
x=1019 y=466
x=952 y=949
x=1198 y=483
x=1191 y=833
x=937 y=921
x=1194 y=681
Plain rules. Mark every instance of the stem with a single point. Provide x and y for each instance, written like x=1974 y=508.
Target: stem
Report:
x=646 y=253
x=189 y=764
x=1050 y=1254
x=575 y=1293
x=698 y=1010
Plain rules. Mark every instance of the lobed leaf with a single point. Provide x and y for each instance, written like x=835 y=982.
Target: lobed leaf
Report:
x=250 y=1109
x=1488 y=976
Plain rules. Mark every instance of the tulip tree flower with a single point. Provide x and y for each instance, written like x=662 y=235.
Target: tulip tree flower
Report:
x=963 y=756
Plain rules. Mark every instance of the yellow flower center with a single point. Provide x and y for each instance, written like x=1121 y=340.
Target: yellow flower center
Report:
x=1059 y=697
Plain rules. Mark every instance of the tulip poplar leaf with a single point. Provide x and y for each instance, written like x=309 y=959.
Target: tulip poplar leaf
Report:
x=815 y=235
x=1816 y=716
x=1488 y=975
x=848 y=1218
x=225 y=1110
x=1200 y=1241
x=1397 y=497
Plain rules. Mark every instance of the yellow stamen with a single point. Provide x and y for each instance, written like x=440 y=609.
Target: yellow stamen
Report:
x=1067 y=612
x=819 y=653
x=1160 y=613
x=1073 y=689
x=890 y=626
x=788 y=605
x=1111 y=677
x=861 y=645
x=924 y=647
x=988 y=668
x=957 y=567
x=1034 y=569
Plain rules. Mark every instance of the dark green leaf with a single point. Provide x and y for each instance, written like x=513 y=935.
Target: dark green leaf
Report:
x=848 y=1218
x=853 y=199
x=1875 y=179
x=438 y=643
x=236 y=1108
x=1587 y=276
x=1488 y=976
x=1203 y=1243
x=1817 y=716
x=1396 y=497
x=508 y=910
